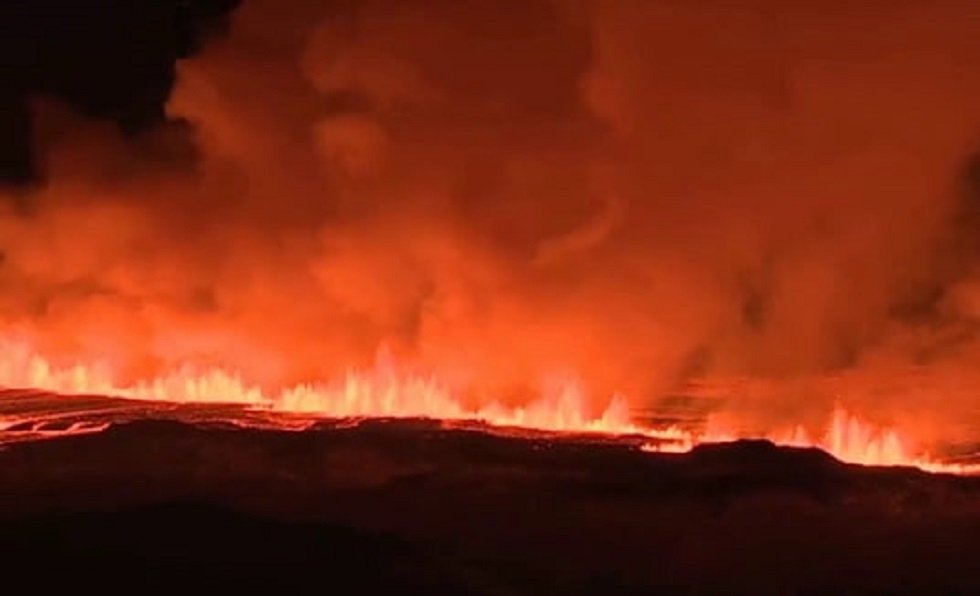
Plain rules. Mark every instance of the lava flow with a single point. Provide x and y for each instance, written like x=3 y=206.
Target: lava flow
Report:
x=386 y=393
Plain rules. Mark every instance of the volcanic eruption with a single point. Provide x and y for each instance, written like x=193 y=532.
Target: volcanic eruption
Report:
x=343 y=257
x=540 y=214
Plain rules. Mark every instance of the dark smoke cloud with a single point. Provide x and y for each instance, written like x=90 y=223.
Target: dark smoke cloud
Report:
x=635 y=192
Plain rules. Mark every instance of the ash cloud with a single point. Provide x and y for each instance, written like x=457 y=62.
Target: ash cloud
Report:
x=636 y=192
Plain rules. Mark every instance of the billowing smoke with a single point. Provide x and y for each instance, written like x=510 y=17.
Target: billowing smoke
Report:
x=634 y=192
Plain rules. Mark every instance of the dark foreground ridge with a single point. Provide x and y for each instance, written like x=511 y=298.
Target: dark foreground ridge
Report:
x=410 y=505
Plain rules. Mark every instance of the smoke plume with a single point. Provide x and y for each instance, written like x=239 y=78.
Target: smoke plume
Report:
x=638 y=193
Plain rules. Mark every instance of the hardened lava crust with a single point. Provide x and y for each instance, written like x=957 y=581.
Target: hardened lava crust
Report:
x=159 y=499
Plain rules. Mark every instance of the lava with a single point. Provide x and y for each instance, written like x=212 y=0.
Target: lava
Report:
x=387 y=393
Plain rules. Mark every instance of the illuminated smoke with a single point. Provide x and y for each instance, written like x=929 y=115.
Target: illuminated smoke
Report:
x=635 y=193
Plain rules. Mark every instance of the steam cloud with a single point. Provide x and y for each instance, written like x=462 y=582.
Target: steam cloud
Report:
x=637 y=192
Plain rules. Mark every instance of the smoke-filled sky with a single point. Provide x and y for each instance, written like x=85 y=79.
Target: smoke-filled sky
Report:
x=635 y=192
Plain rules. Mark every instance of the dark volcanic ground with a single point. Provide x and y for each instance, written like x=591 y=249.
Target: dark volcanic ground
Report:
x=410 y=505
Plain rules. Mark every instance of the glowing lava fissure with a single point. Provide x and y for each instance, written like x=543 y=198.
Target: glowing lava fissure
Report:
x=386 y=393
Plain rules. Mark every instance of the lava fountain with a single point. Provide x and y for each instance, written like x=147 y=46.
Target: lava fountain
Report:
x=385 y=392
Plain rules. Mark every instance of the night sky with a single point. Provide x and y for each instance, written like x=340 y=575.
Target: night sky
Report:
x=110 y=59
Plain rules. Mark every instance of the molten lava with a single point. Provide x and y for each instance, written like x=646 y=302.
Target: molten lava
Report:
x=386 y=393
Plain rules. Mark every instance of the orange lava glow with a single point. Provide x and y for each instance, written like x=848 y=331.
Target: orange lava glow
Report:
x=386 y=393
x=847 y=437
